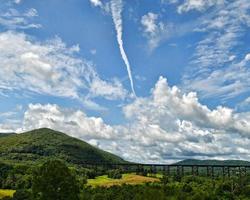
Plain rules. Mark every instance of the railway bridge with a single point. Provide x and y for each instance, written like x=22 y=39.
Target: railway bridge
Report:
x=175 y=169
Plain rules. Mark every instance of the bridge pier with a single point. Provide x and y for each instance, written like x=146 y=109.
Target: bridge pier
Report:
x=213 y=172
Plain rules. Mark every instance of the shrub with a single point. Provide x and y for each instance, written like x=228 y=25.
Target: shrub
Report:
x=115 y=174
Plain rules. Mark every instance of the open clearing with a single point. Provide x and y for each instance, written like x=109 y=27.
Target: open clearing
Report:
x=6 y=193
x=126 y=179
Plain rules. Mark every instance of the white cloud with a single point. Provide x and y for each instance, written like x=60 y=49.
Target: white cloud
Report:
x=223 y=83
x=112 y=90
x=157 y=31
x=169 y=104
x=6 y=128
x=96 y=2
x=199 y=5
x=169 y=1
x=244 y=105
x=149 y=22
x=247 y=57
x=17 y=1
x=13 y=19
x=154 y=30
x=75 y=123
x=215 y=71
x=45 y=68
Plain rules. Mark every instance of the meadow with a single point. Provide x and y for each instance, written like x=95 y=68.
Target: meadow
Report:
x=6 y=193
x=131 y=178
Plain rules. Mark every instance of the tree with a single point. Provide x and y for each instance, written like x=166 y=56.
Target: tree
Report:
x=22 y=195
x=54 y=181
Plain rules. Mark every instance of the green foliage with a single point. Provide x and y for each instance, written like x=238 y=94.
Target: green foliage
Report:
x=53 y=180
x=6 y=198
x=115 y=174
x=38 y=145
x=22 y=195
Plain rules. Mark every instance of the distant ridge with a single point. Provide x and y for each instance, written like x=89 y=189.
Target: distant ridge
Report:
x=37 y=145
x=213 y=162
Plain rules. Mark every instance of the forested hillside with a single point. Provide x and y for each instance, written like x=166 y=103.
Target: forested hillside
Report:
x=41 y=144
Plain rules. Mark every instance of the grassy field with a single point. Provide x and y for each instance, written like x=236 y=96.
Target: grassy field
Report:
x=126 y=179
x=6 y=193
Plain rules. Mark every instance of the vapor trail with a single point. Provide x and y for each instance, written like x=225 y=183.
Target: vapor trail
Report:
x=116 y=9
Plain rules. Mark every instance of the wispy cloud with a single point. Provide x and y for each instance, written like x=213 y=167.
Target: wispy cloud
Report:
x=45 y=67
x=13 y=19
x=199 y=5
x=216 y=68
x=157 y=31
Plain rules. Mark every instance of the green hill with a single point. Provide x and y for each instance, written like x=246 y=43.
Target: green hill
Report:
x=5 y=134
x=212 y=162
x=37 y=145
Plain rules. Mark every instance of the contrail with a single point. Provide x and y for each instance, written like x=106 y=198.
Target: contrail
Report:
x=116 y=9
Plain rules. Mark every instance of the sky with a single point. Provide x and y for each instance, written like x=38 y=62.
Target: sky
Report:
x=153 y=81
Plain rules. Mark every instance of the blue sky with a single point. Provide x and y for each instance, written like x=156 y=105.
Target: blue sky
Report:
x=72 y=66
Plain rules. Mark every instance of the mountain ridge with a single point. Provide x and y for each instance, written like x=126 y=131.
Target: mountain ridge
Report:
x=44 y=143
x=213 y=162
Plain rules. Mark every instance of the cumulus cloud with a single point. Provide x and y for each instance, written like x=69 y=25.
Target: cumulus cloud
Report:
x=166 y=126
x=173 y=125
x=50 y=68
x=170 y=103
x=74 y=122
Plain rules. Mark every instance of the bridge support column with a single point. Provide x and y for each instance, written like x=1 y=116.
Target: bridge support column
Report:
x=223 y=172
x=212 y=171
